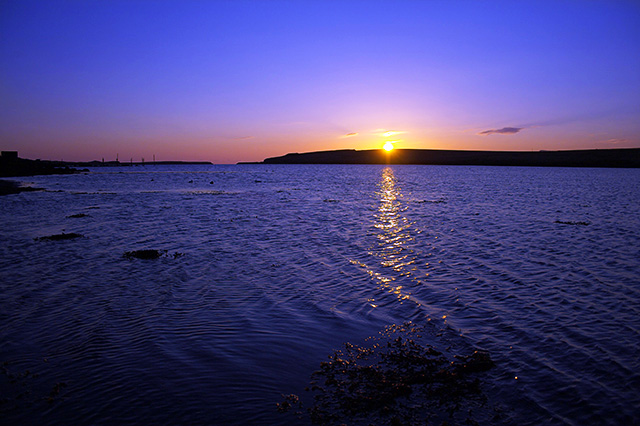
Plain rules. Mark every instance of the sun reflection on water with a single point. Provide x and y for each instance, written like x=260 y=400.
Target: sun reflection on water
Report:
x=393 y=235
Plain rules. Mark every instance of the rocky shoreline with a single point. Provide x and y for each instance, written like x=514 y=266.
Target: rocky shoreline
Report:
x=13 y=166
x=12 y=187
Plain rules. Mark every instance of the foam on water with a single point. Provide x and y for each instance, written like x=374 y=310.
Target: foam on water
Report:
x=280 y=265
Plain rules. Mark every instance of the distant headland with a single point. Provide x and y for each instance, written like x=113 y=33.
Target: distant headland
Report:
x=623 y=158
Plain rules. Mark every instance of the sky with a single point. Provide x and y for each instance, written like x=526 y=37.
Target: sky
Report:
x=228 y=81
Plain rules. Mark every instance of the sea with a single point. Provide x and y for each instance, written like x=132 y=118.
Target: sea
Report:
x=264 y=273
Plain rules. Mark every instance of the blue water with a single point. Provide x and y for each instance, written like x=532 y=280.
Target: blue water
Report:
x=268 y=269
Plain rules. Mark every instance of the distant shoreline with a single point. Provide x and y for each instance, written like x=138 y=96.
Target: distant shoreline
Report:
x=13 y=166
x=612 y=158
x=116 y=163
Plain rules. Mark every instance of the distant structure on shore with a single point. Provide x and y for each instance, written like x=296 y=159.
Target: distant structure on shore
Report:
x=623 y=158
x=12 y=165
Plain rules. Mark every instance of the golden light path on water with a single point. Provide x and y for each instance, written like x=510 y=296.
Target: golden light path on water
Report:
x=393 y=237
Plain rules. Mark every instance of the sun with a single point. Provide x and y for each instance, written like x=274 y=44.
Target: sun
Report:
x=388 y=146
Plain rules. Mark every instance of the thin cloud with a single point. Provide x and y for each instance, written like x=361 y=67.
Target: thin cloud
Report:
x=242 y=138
x=387 y=133
x=503 y=131
x=615 y=141
x=349 y=135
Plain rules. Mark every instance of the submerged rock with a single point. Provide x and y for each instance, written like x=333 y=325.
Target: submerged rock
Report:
x=58 y=237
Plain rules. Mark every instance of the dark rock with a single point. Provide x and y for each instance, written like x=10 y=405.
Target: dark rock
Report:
x=58 y=237
x=144 y=254
x=78 y=215
x=10 y=187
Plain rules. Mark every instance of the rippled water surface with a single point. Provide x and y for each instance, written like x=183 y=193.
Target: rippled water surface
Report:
x=268 y=269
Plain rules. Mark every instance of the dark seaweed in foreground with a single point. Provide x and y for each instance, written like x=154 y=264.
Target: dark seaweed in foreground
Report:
x=397 y=380
x=20 y=392
x=58 y=237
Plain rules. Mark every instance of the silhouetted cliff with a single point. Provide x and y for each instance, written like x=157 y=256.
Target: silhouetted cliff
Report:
x=575 y=158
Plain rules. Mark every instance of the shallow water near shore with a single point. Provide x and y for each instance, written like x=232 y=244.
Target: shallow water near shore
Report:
x=262 y=271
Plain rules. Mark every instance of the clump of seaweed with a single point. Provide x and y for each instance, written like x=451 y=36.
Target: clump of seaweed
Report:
x=569 y=222
x=20 y=392
x=289 y=402
x=55 y=392
x=58 y=237
x=439 y=201
x=148 y=254
x=397 y=380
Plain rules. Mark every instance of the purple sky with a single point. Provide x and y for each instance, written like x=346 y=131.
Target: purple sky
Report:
x=229 y=81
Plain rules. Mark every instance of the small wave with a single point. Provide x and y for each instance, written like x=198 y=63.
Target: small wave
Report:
x=209 y=192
